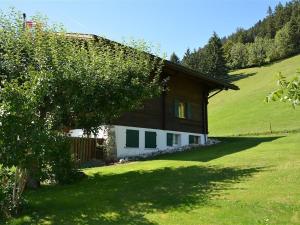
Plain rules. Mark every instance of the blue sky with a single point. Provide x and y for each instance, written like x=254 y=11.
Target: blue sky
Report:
x=173 y=25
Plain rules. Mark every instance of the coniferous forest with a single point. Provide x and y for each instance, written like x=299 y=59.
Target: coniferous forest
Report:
x=275 y=37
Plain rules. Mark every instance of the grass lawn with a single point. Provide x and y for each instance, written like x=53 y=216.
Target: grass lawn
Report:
x=243 y=180
x=244 y=111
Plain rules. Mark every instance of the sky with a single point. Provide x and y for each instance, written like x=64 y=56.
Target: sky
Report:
x=170 y=25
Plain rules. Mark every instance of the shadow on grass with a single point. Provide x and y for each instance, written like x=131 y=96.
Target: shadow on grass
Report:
x=228 y=145
x=126 y=198
x=236 y=77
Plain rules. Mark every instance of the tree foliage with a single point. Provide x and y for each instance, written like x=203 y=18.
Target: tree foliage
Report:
x=214 y=57
x=174 y=58
x=52 y=82
x=288 y=90
x=275 y=37
x=209 y=60
x=238 y=56
x=257 y=52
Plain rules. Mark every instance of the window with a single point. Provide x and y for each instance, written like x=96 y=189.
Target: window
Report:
x=132 y=138
x=194 y=139
x=173 y=139
x=150 y=139
x=182 y=110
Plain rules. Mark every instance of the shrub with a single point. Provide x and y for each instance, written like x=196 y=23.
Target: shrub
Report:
x=9 y=207
x=61 y=165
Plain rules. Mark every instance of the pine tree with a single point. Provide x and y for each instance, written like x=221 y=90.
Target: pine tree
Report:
x=214 y=55
x=192 y=59
x=174 y=58
x=270 y=11
x=186 y=57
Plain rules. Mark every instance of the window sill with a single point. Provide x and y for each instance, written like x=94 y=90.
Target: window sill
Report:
x=131 y=147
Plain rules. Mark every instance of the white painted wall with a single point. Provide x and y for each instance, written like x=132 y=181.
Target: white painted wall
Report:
x=123 y=151
x=161 y=141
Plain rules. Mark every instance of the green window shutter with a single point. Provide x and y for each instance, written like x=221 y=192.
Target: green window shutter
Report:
x=169 y=139
x=176 y=108
x=191 y=139
x=150 y=139
x=132 y=138
x=189 y=110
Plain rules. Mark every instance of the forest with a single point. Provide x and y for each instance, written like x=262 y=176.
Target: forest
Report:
x=275 y=37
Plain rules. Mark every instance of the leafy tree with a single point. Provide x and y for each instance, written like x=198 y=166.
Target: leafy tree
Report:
x=257 y=52
x=271 y=50
x=52 y=82
x=238 y=56
x=227 y=46
x=288 y=91
x=285 y=41
x=174 y=58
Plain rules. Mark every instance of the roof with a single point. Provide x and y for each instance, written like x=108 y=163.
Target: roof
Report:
x=217 y=83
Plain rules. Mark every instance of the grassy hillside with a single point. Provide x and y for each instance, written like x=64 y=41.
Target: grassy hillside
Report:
x=244 y=111
x=243 y=180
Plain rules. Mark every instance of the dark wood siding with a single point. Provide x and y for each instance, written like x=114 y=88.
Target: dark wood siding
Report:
x=189 y=91
x=158 y=113
x=150 y=116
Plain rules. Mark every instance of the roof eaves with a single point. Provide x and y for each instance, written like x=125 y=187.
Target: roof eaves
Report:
x=221 y=83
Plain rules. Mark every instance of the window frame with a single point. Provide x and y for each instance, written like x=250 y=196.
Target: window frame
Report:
x=192 y=139
x=128 y=142
x=175 y=139
x=147 y=133
x=183 y=109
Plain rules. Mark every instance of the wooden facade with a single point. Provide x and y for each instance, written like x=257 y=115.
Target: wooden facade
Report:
x=183 y=85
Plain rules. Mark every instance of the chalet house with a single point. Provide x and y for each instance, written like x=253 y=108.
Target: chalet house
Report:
x=177 y=118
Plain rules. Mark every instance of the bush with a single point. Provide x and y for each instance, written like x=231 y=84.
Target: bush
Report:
x=8 y=207
x=59 y=165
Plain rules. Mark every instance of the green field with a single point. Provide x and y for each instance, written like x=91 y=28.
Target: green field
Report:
x=244 y=111
x=245 y=180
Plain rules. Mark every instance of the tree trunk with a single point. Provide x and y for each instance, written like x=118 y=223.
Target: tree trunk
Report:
x=33 y=180
x=19 y=186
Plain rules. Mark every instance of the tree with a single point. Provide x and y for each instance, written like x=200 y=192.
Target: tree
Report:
x=257 y=52
x=191 y=59
x=285 y=41
x=238 y=56
x=283 y=22
x=271 y=50
x=174 y=58
x=214 y=57
x=288 y=91
x=269 y=11
x=227 y=46
x=186 y=60
x=52 y=82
